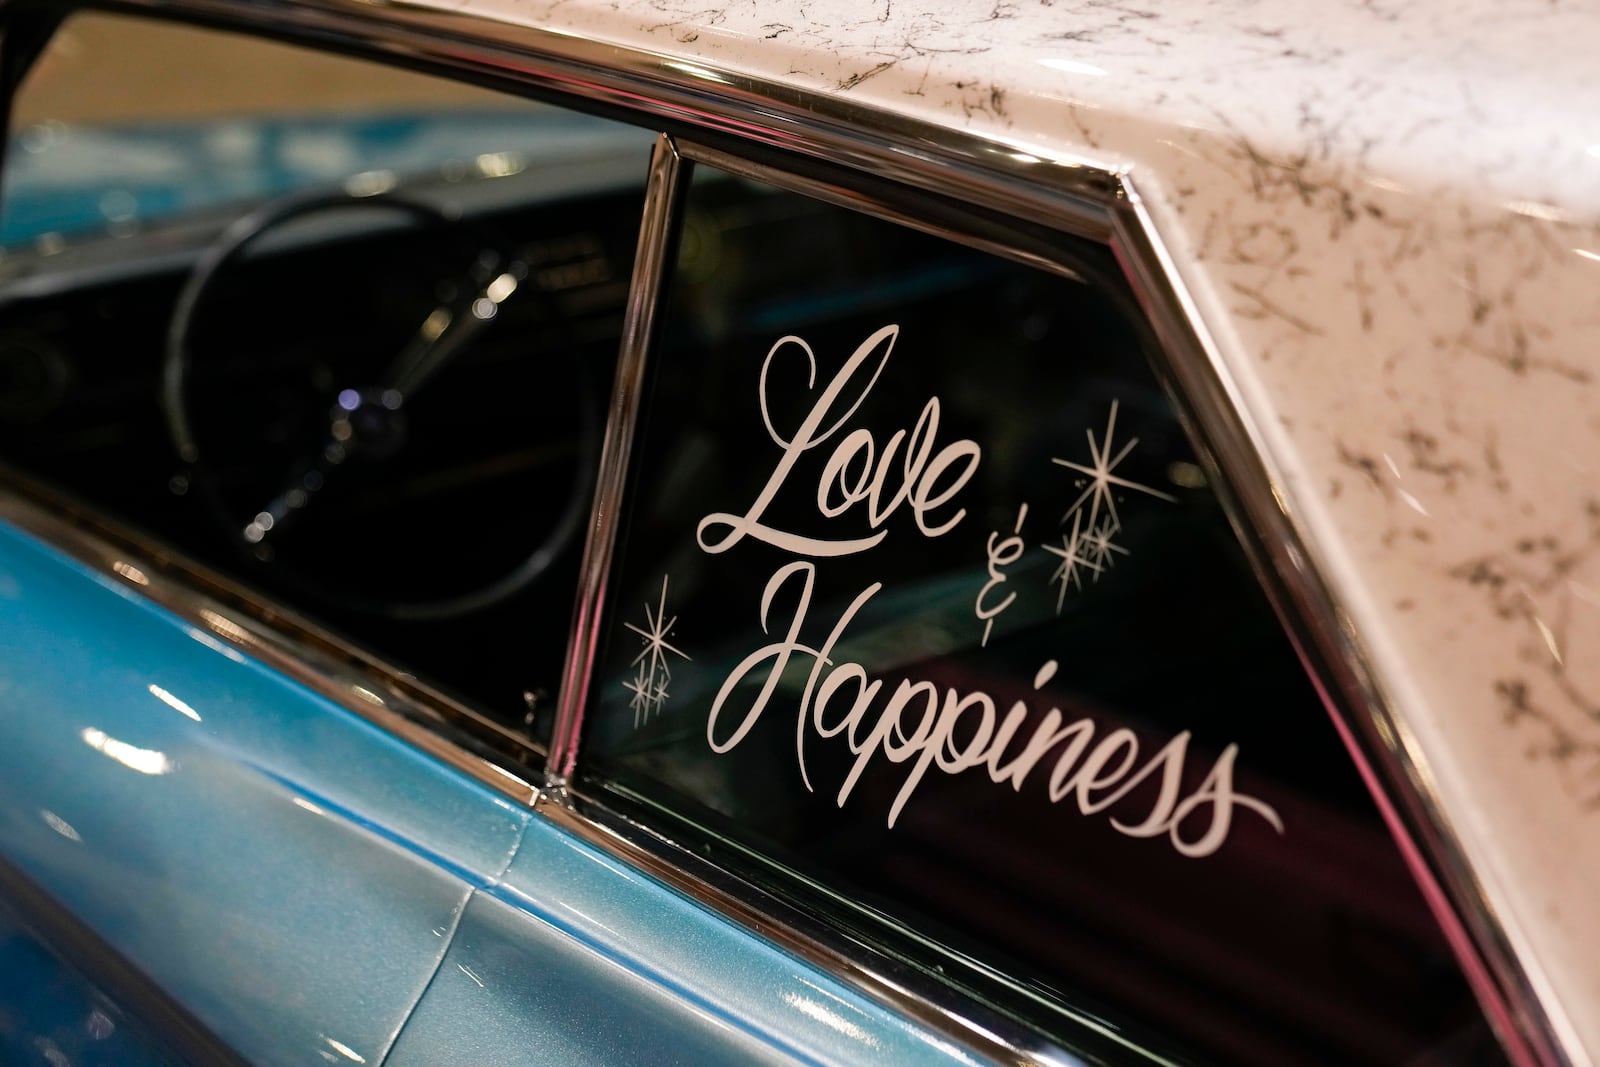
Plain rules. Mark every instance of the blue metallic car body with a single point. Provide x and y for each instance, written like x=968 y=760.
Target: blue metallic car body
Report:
x=315 y=890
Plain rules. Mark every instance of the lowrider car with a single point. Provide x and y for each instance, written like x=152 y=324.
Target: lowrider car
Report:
x=561 y=531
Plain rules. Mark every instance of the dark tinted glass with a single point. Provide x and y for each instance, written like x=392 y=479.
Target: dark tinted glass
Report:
x=925 y=595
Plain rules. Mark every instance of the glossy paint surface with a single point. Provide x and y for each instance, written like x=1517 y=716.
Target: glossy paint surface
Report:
x=288 y=872
x=1388 y=218
x=588 y=961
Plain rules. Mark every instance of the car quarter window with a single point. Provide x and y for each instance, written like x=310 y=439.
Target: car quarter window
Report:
x=339 y=330
x=926 y=600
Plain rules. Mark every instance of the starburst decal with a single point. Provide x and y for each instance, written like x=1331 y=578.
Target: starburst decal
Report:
x=1101 y=481
x=1076 y=557
x=1092 y=547
x=652 y=668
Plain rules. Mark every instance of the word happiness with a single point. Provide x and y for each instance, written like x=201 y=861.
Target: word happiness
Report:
x=916 y=724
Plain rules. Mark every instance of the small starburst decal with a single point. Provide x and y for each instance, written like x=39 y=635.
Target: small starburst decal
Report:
x=1076 y=558
x=1100 y=547
x=652 y=669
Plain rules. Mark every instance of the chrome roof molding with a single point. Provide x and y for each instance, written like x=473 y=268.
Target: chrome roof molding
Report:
x=1072 y=195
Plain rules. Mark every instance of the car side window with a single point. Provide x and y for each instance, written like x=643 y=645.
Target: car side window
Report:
x=926 y=595
x=339 y=330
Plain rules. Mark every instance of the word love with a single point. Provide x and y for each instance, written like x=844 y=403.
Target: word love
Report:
x=957 y=732
x=857 y=471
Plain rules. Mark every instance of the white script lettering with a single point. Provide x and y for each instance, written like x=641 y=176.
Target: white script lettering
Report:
x=956 y=732
x=857 y=470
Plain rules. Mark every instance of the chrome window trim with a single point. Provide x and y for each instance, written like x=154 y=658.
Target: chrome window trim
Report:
x=661 y=199
x=1072 y=194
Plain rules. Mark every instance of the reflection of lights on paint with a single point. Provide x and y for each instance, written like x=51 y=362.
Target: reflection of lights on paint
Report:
x=173 y=702
x=59 y=825
x=1550 y=641
x=302 y=802
x=1586 y=254
x=1535 y=210
x=1411 y=502
x=130 y=572
x=143 y=760
x=828 y=1017
x=213 y=644
x=344 y=1050
x=1073 y=66
x=99 y=1025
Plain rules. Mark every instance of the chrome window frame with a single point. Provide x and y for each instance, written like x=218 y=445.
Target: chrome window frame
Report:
x=1074 y=195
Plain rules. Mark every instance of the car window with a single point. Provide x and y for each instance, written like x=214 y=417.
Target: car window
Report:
x=926 y=596
x=339 y=330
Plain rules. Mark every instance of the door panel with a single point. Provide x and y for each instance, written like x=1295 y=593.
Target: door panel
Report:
x=576 y=958
x=289 y=872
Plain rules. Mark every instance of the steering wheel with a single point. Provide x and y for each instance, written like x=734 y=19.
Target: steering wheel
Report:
x=365 y=420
